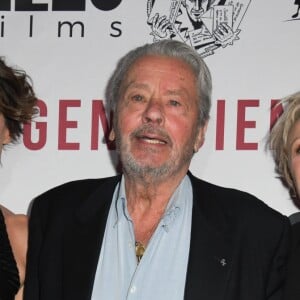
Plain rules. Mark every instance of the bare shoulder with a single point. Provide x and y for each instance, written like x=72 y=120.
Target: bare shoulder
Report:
x=17 y=230
x=16 y=225
x=6 y=212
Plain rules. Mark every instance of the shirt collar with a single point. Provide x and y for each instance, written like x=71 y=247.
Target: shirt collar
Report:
x=175 y=205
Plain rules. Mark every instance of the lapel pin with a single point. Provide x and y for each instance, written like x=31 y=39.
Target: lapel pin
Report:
x=223 y=262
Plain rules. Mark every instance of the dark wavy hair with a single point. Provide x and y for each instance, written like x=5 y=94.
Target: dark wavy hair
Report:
x=17 y=99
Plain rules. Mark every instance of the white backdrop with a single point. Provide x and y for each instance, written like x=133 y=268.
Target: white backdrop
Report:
x=263 y=64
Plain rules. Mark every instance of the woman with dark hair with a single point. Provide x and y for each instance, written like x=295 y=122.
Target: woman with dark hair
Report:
x=17 y=106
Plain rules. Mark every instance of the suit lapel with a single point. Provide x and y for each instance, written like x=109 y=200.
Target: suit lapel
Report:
x=82 y=244
x=209 y=258
x=210 y=249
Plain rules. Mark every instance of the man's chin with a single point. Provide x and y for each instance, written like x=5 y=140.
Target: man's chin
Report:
x=147 y=170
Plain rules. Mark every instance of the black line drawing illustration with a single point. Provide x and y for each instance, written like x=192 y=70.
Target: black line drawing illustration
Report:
x=295 y=15
x=206 y=25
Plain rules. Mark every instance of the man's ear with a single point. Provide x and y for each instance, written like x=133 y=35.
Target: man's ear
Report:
x=200 y=137
x=112 y=135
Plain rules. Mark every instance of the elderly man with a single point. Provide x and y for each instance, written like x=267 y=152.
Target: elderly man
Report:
x=155 y=231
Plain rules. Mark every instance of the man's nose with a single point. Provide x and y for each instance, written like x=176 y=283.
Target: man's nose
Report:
x=154 y=112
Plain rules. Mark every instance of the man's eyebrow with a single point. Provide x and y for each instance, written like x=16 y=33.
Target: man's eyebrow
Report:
x=176 y=92
x=145 y=86
x=133 y=84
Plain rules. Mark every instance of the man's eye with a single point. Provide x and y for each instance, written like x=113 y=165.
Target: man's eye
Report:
x=174 y=103
x=137 y=98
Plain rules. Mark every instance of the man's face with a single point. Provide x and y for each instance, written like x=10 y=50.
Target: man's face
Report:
x=196 y=8
x=157 y=115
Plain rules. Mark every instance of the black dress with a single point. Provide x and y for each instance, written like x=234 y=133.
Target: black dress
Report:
x=9 y=275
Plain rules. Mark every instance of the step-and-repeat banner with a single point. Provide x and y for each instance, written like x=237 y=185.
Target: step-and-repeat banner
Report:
x=70 y=48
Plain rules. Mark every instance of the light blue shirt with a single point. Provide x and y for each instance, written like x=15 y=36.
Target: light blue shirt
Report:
x=161 y=273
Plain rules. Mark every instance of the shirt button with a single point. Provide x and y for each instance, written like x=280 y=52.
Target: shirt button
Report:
x=133 y=289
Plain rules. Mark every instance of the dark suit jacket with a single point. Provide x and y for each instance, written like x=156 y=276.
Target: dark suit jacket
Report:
x=292 y=288
x=237 y=252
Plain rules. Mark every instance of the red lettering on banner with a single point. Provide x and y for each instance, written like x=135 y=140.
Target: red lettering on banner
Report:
x=35 y=133
x=41 y=127
x=220 y=126
x=98 y=112
x=65 y=124
x=242 y=124
x=276 y=111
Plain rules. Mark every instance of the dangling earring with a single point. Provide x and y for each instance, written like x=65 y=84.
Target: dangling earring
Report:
x=112 y=135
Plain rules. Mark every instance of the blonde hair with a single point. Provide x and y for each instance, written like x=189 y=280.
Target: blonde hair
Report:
x=279 y=138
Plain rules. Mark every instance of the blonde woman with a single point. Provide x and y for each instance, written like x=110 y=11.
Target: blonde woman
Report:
x=284 y=142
